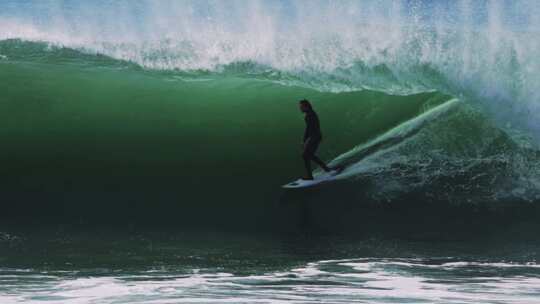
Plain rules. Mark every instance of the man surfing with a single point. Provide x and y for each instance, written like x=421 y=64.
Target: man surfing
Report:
x=312 y=139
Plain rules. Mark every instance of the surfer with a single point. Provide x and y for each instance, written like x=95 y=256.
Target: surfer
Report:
x=312 y=139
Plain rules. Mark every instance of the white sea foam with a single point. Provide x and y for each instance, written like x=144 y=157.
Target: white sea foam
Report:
x=372 y=280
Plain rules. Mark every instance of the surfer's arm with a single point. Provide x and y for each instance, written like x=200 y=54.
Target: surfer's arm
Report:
x=309 y=127
x=305 y=143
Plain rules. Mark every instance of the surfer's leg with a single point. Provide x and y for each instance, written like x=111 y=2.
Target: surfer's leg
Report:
x=320 y=163
x=311 y=149
x=309 y=174
x=307 y=156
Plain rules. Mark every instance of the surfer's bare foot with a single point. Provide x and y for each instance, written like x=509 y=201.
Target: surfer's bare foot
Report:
x=307 y=177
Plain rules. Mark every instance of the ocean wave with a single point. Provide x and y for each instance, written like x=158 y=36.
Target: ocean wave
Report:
x=429 y=109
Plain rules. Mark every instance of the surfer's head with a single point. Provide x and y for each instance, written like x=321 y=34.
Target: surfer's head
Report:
x=305 y=106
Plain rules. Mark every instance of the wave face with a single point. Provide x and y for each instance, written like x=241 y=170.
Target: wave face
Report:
x=485 y=48
x=186 y=112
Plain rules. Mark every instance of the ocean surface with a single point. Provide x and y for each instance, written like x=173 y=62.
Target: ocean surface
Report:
x=144 y=145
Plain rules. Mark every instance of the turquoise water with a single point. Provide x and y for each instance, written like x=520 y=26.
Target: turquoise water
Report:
x=144 y=145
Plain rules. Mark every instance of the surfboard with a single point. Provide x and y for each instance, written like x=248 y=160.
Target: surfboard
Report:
x=318 y=179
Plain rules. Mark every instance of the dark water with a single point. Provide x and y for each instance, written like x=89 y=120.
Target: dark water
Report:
x=143 y=146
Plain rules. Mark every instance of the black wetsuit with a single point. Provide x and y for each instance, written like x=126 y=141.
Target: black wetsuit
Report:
x=312 y=139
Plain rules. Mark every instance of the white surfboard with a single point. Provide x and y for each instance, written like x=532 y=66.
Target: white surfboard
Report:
x=319 y=179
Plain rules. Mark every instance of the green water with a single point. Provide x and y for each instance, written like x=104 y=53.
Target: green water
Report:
x=93 y=134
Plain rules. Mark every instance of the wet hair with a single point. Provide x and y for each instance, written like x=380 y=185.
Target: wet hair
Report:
x=306 y=103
